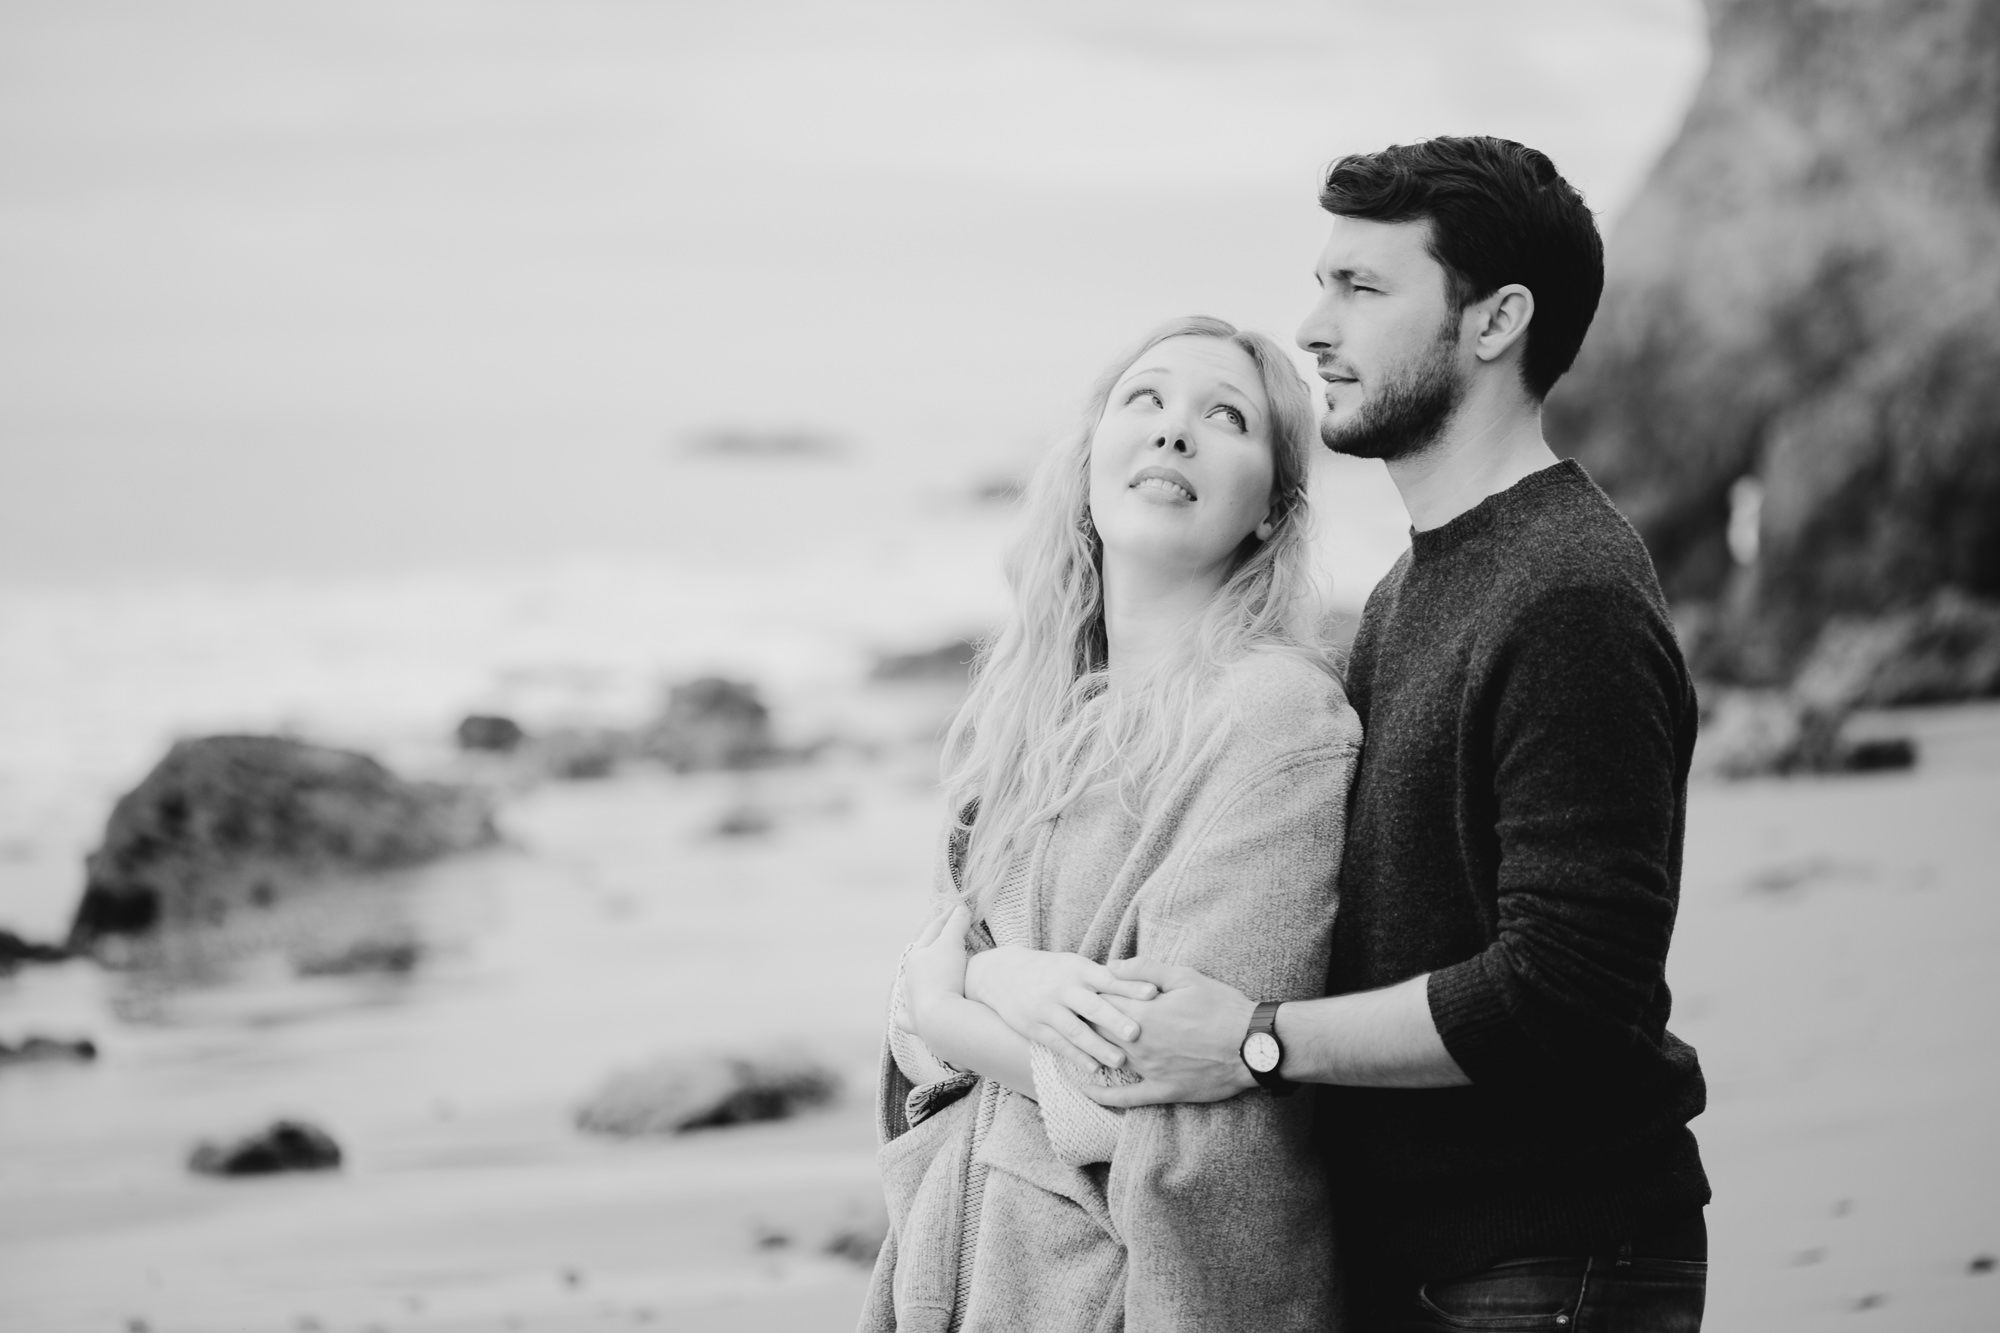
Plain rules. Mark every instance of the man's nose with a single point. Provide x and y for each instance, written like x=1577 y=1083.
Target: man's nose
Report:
x=1316 y=333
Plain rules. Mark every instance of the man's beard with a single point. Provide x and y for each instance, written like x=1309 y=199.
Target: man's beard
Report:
x=1407 y=413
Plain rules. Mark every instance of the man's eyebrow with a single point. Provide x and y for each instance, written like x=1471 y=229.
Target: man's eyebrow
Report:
x=1350 y=274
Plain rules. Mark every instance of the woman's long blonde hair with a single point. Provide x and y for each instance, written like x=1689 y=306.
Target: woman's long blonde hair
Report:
x=1039 y=728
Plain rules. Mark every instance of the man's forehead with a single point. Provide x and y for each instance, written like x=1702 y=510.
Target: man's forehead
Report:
x=1363 y=243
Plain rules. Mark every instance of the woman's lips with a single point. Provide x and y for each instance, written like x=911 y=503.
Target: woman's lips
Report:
x=1165 y=480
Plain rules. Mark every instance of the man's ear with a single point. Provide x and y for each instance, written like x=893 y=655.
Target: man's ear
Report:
x=1501 y=321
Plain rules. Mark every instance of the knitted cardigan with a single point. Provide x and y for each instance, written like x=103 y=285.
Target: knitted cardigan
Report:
x=1186 y=1217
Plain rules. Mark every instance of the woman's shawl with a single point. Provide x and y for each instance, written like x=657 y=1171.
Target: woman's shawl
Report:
x=1188 y=1217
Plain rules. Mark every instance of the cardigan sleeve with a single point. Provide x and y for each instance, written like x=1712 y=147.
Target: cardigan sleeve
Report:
x=1223 y=1230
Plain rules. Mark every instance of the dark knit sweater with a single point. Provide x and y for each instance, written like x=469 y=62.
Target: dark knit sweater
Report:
x=1516 y=833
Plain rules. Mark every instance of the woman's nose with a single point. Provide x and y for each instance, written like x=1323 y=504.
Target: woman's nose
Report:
x=1178 y=441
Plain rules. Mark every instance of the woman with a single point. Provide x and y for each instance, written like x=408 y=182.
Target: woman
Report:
x=1151 y=759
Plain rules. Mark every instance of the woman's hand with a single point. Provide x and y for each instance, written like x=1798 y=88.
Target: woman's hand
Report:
x=1054 y=998
x=935 y=966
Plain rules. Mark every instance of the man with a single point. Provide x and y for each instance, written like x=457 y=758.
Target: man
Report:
x=1506 y=1121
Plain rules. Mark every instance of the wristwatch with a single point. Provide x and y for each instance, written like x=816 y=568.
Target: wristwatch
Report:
x=1261 y=1051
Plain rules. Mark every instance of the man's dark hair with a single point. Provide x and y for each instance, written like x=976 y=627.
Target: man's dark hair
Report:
x=1499 y=213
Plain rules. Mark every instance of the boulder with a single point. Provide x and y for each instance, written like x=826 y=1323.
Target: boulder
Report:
x=1760 y=732
x=284 y=1145
x=711 y=723
x=675 y=1094
x=1797 y=329
x=483 y=731
x=1947 y=648
x=229 y=823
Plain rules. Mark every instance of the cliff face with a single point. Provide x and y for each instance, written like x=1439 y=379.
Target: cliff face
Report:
x=1807 y=293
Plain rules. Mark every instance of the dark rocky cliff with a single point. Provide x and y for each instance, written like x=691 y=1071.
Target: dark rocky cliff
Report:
x=1806 y=293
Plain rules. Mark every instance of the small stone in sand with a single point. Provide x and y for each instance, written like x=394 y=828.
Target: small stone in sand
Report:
x=1843 y=1208
x=572 y=1278
x=1806 y=1258
x=137 y=1326
x=286 y=1145
x=1872 y=1301
x=860 y=1241
x=484 y=731
x=743 y=821
x=1982 y=1263
x=34 y=1050
x=769 y=1237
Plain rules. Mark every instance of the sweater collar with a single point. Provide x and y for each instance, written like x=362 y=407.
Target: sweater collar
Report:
x=1434 y=542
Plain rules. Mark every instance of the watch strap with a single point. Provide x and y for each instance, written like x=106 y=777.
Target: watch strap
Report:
x=1265 y=1020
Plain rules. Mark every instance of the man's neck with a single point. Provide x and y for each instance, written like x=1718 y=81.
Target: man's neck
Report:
x=1493 y=440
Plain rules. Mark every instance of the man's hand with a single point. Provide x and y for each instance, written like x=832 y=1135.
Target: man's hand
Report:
x=1055 y=998
x=1191 y=1041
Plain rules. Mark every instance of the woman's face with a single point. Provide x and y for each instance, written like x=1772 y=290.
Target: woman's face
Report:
x=1180 y=463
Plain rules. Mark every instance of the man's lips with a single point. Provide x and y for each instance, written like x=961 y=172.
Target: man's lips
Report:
x=1163 y=478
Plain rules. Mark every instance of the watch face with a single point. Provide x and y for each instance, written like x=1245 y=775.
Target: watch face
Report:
x=1260 y=1052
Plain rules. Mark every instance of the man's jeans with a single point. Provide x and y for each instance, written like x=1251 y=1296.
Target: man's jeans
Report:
x=1621 y=1293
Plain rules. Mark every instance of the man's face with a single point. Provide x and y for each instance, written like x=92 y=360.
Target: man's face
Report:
x=1386 y=339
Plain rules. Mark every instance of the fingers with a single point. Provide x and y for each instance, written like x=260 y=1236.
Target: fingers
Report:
x=1106 y=982
x=928 y=935
x=1074 y=1032
x=1103 y=1015
x=1167 y=976
x=1064 y=1050
x=1124 y=1096
x=947 y=926
x=958 y=923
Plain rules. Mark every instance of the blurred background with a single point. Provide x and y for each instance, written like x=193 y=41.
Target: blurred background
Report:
x=607 y=416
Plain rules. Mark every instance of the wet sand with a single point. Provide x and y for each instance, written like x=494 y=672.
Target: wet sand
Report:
x=1832 y=964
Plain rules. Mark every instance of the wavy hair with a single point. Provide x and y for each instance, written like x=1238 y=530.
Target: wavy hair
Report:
x=1039 y=727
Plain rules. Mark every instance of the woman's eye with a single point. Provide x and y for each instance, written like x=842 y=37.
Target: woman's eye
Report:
x=1235 y=416
x=1137 y=394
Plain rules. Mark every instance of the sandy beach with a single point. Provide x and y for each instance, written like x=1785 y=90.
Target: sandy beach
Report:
x=1831 y=964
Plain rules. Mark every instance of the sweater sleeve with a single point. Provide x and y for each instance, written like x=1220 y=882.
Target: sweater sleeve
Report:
x=1222 y=1229
x=1592 y=723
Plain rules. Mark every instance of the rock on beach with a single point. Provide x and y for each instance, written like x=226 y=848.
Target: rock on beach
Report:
x=674 y=1094
x=1812 y=431
x=284 y=1145
x=46 y=1050
x=229 y=823
x=711 y=723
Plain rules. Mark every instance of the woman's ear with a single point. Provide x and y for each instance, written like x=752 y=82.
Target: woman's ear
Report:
x=1264 y=529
